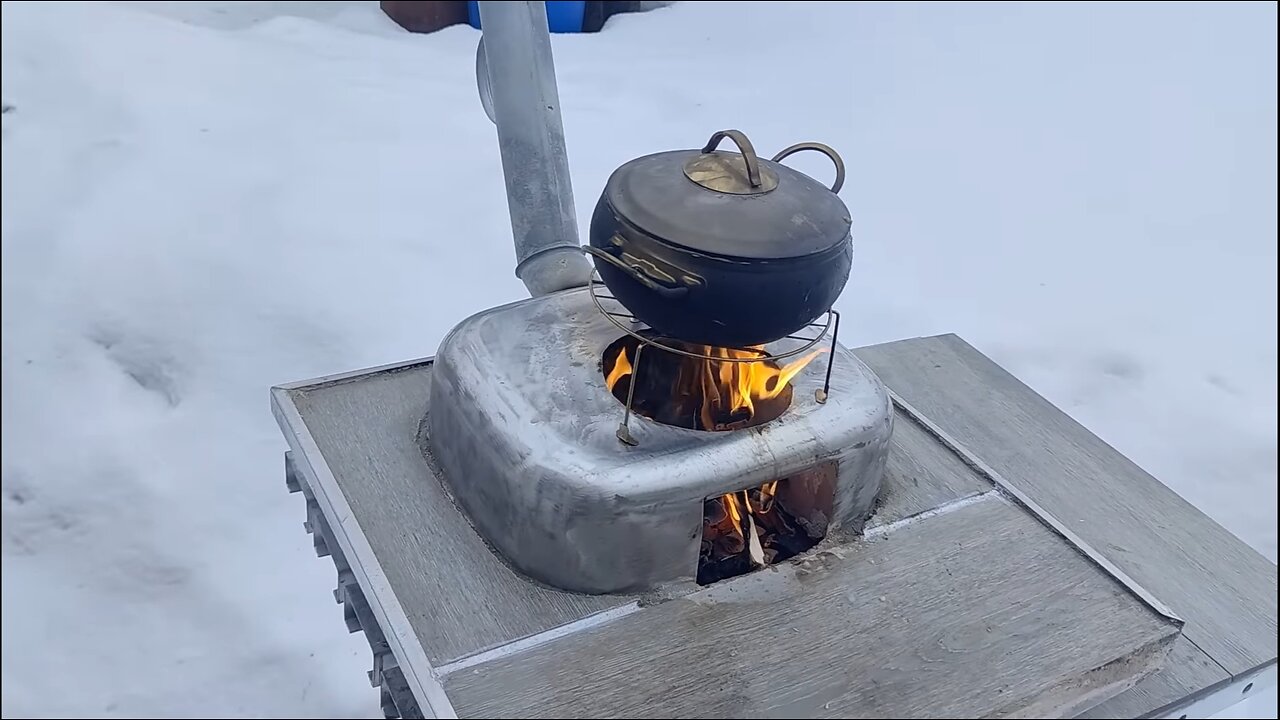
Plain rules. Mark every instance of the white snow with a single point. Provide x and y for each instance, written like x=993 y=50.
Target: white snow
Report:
x=203 y=199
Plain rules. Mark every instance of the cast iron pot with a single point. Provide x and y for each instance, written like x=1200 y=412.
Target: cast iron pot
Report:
x=722 y=248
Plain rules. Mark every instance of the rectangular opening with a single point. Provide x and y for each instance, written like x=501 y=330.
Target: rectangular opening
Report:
x=755 y=527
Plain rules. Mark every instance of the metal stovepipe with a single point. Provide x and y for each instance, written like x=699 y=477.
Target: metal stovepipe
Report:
x=516 y=72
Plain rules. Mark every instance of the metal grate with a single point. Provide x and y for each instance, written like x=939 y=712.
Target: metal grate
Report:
x=624 y=320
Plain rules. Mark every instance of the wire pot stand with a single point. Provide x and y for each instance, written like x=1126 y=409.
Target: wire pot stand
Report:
x=828 y=322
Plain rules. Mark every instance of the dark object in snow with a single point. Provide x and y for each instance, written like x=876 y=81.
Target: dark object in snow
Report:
x=424 y=16
x=427 y=16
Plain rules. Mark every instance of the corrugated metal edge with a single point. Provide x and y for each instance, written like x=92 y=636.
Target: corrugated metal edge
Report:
x=410 y=654
x=323 y=380
x=1222 y=696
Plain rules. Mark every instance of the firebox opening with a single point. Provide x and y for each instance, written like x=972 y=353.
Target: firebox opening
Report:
x=701 y=393
x=749 y=529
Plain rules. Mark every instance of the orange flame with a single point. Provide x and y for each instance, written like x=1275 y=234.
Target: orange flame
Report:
x=621 y=368
x=767 y=491
x=742 y=523
x=734 y=388
x=725 y=388
x=735 y=513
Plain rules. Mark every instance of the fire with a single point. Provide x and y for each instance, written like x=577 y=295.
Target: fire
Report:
x=727 y=389
x=739 y=526
x=621 y=368
x=767 y=491
x=725 y=395
x=739 y=386
x=749 y=529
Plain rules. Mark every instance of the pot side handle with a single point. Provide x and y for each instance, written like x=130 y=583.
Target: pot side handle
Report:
x=637 y=274
x=825 y=150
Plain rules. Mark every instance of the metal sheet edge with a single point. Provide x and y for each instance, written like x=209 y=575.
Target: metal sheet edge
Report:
x=412 y=657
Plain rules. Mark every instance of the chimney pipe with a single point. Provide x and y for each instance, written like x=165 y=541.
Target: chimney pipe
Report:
x=517 y=82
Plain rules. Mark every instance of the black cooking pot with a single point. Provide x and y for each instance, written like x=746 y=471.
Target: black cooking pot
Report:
x=722 y=248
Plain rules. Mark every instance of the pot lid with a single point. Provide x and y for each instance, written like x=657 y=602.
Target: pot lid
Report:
x=731 y=204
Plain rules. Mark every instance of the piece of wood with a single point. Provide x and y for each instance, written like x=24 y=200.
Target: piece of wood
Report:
x=1223 y=588
x=458 y=596
x=976 y=612
x=1187 y=671
x=921 y=475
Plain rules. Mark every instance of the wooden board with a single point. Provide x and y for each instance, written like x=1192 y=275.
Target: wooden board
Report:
x=1223 y=588
x=458 y=596
x=433 y=555
x=463 y=601
x=1187 y=671
x=976 y=612
x=921 y=475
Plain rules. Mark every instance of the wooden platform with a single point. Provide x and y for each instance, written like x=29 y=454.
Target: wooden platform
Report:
x=992 y=581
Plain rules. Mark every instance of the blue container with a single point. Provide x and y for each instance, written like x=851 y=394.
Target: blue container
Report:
x=562 y=17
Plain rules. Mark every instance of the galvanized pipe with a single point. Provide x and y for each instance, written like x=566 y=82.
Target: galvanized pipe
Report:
x=526 y=108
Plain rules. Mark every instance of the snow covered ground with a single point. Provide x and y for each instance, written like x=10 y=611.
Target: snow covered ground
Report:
x=203 y=199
